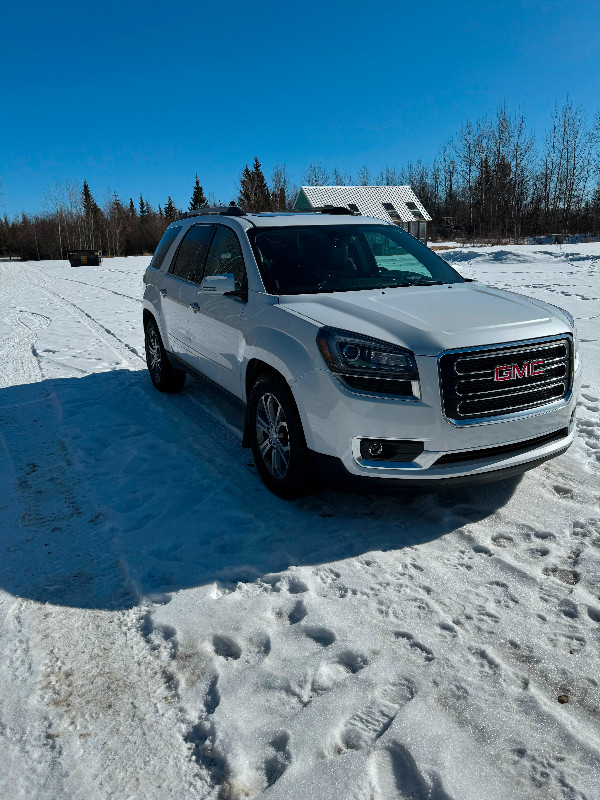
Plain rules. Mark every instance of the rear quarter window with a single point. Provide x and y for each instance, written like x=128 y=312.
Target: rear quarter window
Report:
x=164 y=246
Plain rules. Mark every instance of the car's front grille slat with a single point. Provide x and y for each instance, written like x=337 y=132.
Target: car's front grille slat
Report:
x=496 y=381
x=503 y=449
x=490 y=387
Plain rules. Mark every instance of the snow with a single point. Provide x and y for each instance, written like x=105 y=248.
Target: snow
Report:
x=170 y=629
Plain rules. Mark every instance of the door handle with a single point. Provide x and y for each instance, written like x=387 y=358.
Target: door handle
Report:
x=195 y=307
x=163 y=292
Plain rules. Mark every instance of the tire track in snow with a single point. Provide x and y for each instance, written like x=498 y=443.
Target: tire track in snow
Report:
x=122 y=349
x=71 y=712
x=30 y=753
x=103 y=288
x=109 y=703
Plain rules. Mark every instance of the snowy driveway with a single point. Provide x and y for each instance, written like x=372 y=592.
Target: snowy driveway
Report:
x=169 y=629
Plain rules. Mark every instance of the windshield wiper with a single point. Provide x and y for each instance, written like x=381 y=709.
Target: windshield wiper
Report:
x=427 y=283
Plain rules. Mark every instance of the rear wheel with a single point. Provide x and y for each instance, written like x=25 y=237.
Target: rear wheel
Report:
x=277 y=438
x=164 y=375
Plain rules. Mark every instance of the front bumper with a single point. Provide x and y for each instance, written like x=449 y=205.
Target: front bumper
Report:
x=336 y=419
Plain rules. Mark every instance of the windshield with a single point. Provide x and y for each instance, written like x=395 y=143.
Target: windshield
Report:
x=343 y=258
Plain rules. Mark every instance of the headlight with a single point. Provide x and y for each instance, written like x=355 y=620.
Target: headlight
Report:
x=369 y=365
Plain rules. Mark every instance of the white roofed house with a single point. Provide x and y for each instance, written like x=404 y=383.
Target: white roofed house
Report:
x=397 y=204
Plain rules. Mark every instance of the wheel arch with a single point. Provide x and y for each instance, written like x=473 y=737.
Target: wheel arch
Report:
x=254 y=369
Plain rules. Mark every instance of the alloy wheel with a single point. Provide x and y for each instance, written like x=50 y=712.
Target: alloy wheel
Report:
x=153 y=352
x=272 y=435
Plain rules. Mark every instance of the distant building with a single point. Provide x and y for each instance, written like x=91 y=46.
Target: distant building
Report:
x=397 y=204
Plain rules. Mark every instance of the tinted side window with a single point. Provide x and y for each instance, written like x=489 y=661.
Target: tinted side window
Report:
x=165 y=243
x=226 y=256
x=189 y=261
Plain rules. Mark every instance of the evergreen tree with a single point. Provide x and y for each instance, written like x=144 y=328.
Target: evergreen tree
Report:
x=92 y=219
x=254 y=193
x=90 y=207
x=160 y=211
x=143 y=207
x=170 y=210
x=132 y=211
x=3 y=236
x=246 y=194
x=198 y=199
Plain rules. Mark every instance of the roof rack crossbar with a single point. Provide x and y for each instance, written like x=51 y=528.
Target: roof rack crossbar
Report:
x=225 y=211
x=326 y=210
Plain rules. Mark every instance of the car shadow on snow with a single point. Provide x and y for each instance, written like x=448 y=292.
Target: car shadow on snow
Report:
x=110 y=492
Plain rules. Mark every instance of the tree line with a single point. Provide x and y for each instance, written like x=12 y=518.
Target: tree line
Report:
x=492 y=181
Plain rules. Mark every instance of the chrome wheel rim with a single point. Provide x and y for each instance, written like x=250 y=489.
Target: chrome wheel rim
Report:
x=153 y=353
x=272 y=435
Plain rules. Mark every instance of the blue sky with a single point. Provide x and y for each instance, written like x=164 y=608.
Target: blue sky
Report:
x=139 y=97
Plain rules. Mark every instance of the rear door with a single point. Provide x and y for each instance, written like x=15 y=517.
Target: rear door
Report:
x=180 y=285
x=215 y=319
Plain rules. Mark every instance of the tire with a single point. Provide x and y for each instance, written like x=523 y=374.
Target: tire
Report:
x=163 y=374
x=277 y=438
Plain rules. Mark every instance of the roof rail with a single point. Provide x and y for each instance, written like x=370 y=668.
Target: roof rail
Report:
x=225 y=211
x=327 y=210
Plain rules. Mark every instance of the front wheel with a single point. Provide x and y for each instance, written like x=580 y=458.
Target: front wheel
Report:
x=164 y=375
x=277 y=438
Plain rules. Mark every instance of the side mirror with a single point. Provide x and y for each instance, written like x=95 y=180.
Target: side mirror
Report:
x=218 y=284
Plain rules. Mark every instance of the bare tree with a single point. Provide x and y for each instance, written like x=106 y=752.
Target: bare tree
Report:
x=364 y=176
x=388 y=176
x=466 y=152
x=282 y=189
x=566 y=165
x=56 y=202
x=315 y=175
x=339 y=178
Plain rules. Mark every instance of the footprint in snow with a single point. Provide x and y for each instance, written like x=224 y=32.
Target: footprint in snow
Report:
x=568 y=576
x=594 y=613
x=369 y=724
x=563 y=491
x=538 y=552
x=481 y=549
x=415 y=645
x=352 y=661
x=487 y=662
x=297 y=613
x=212 y=697
x=226 y=647
x=296 y=586
x=502 y=540
x=260 y=646
x=322 y=636
x=396 y=774
x=280 y=758
x=590 y=397
x=448 y=628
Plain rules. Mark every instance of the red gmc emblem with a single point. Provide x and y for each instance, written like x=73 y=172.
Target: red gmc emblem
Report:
x=509 y=372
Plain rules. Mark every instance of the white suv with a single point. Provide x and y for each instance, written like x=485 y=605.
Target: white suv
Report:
x=358 y=352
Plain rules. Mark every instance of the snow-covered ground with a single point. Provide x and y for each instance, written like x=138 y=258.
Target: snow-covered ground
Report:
x=169 y=629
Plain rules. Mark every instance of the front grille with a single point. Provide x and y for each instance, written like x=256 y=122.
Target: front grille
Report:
x=470 y=389
x=503 y=449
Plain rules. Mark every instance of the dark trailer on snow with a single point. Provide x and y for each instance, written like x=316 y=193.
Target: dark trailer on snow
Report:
x=85 y=258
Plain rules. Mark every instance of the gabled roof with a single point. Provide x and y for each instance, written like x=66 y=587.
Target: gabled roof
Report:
x=368 y=199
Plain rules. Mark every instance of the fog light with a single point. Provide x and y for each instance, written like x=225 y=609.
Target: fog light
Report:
x=401 y=450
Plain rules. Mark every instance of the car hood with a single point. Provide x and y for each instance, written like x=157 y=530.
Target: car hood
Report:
x=428 y=319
